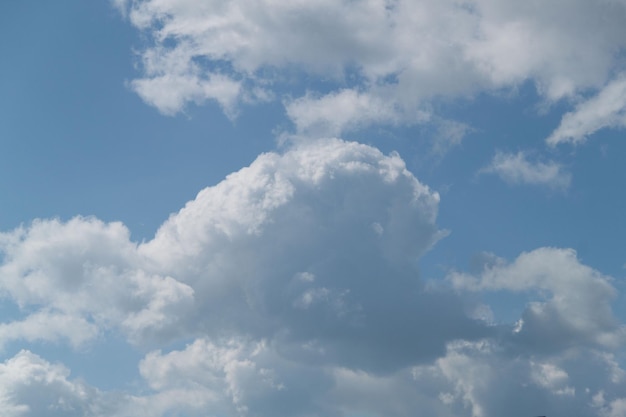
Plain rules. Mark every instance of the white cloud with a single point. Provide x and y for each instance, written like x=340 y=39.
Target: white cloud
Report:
x=296 y=280
x=331 y=192
x=347 y=109
x=577 y=309
x=209 y=269
x=347 y=296
x=33 y=387
x=615 y=409
x=484 y=379
x=238 y=377
x=551 y=377
x=169 y=93
x=88 y=274
x=388 y=59
x=229 y=377
x=49 y=326
x=518 y=169
x=605 y=110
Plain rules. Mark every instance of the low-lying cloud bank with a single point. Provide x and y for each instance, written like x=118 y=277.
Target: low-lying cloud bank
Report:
x=295 y=280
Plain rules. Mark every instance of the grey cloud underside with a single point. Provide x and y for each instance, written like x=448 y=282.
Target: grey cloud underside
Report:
x=296 y=280
x=404 y=53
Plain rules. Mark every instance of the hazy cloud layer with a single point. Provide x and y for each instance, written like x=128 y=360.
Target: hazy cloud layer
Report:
x=388 y=59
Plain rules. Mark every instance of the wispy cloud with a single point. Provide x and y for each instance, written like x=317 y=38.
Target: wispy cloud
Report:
x=607 y=109
x=519 y=169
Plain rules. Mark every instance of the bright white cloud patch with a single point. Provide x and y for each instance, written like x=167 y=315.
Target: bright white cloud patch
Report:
x=88 y=274
x=388 y=58
x=606 y=110
x=332 y=193
x=518 y=169
x=31 y=386
x=170 y=93
x=335 y=112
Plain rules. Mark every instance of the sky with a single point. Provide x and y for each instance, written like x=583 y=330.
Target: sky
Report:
x=346 y=208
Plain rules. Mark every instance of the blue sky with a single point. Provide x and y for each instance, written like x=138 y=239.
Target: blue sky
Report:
x=329 y=208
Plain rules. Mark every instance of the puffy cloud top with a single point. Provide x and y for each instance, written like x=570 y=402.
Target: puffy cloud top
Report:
x=295 y=283
x=345 y=225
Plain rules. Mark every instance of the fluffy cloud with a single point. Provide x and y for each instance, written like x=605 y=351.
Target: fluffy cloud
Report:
x=233 y=265
x=518 y=169
x=210 y=270
x=388 y=59
x=483 y=379
x=477 y=379
x=170 y=93
x=295 y=282
x=366 y=219
x=332 y=113
x=86 y=274
x=577 y=310
x=31 y=386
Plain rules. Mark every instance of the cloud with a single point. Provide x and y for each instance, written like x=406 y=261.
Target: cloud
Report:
x=232 y=270
x=385 y=60
x=517 y=169
x=31 y=386
x=347 y=109
x=209 y=269
x=448 y=134
x=169 y=93
x=367 y=221
x=86 y=273
x=235 y=377
x=607 y=109
x=49 y=326
x=482 y=379
x=576 y=309
x=294 y=284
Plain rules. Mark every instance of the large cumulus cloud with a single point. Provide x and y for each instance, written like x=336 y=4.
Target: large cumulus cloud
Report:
x=310 y=247
x=293 y=288
x=321 y=231
x=304 y=250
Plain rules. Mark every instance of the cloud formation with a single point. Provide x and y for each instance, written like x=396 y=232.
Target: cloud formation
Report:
x=387 y=59
x=211 y=259
x=518 y=169
x=605 y=110
x=32 y=386
x=294 y=282
x=577 y=299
